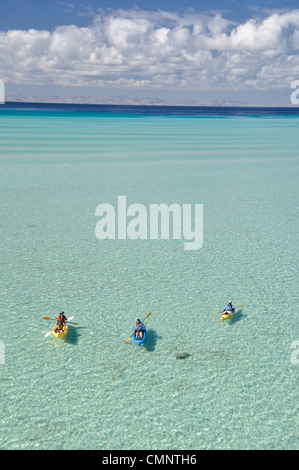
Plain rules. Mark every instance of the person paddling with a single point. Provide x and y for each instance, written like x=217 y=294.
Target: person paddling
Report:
x=138 y=330
x=229 y=309
x=61 y=320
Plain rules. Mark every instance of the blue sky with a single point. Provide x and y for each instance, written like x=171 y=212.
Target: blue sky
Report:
x=189 y=52
x=47 y=14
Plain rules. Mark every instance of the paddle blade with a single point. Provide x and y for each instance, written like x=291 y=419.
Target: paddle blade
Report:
x=48 y=334
x=46 y=318
x=128 y=339
x=147 y=316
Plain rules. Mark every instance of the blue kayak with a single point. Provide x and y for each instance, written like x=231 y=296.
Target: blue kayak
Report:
x=139 y=340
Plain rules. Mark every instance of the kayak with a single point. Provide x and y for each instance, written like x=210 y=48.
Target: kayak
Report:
x=62 y=333
x=139 y=341
x=226 y=316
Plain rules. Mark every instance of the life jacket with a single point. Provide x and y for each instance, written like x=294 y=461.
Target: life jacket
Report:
x=139 y=327
x=229 y=308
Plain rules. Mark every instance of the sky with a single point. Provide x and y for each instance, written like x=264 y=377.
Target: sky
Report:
x=167 y=51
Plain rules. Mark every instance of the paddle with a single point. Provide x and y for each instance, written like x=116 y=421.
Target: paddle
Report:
x=127 y=339
x=49 y=332
x=48 y=318
x=239 y=306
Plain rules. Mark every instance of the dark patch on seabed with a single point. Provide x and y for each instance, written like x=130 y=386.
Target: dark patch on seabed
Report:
x=182 y=355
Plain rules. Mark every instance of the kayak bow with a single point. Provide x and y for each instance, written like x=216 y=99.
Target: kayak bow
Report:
x=226 y=316
x=60 y=333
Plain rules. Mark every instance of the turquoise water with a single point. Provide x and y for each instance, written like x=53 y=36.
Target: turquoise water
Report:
x=93 y=390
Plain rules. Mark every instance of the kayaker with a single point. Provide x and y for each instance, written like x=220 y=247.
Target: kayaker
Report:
x=59 y=327
x=61 y=319
x=229 y=308
x=138 y=330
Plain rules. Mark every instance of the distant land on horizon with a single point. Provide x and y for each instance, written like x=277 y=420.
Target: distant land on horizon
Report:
x=129 y=101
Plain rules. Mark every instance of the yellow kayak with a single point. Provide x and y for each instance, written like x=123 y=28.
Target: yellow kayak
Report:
x=226 y=316
x=60 y=333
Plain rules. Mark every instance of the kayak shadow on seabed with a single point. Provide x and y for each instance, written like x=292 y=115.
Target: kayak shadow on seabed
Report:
x=73 y=335
x=237 y=317
x=151 y=340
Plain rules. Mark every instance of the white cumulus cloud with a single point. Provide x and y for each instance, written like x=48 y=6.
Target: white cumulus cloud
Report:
x=139 y=49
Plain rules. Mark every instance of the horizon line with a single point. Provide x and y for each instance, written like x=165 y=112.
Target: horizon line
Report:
x=144 y=105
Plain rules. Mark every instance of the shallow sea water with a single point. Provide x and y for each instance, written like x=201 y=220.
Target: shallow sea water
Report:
x=93 y=390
